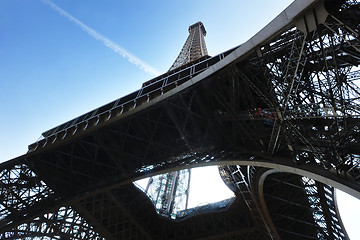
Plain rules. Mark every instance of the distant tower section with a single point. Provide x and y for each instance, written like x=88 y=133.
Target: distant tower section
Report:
x=170 y=192
x=194 y=47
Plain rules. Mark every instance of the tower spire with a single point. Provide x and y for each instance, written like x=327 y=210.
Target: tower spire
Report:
x=194 y=47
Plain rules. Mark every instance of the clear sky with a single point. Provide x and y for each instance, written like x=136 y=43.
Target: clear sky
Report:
x=60 y=61
x=52 y=69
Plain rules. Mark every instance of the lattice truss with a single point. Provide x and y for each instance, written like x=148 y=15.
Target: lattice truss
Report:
x=295 y=207
x=308 y=87
x=295 y=98
x=322 y=204
x=305 y=211
x=194 y=46
x=169 y=192
x=24 y=194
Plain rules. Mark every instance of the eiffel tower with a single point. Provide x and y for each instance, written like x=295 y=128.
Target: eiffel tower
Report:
x=279 y=114
x=170 y=191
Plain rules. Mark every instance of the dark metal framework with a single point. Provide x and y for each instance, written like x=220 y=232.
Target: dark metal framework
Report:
x=288 y=206
x=169 y=192
x=290 y=102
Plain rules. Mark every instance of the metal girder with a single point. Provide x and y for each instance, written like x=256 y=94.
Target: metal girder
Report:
x=194 y=47
x=290 y=206
x=286 y=99
x=60 y=223
x=307 y=204
x=26 y=199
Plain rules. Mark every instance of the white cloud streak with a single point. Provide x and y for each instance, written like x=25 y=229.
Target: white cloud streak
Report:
x=107 y=42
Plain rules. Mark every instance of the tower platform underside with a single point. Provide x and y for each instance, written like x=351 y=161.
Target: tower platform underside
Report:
x=286 y=103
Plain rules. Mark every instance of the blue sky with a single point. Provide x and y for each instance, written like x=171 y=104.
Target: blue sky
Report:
x=53 y=70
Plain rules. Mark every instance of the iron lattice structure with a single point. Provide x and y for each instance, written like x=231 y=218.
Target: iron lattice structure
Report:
x=279 y=114
x=170 y=192
x=194 y=47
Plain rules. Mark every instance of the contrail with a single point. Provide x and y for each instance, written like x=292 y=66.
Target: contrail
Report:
x=107 y=42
